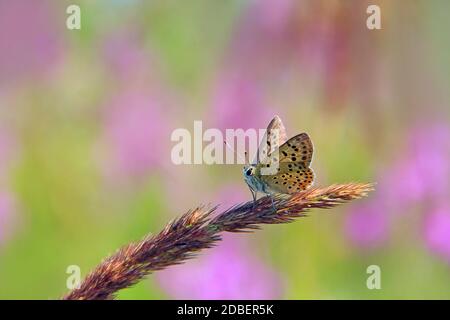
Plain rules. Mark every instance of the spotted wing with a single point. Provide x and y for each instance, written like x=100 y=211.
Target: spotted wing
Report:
x=298 y=149
x=291 y=178
x=292 y=172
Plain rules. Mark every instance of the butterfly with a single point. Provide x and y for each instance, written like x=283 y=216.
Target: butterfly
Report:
x=280 y=166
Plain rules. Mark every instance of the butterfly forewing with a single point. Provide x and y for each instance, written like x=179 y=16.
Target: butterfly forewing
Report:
x=274 y=137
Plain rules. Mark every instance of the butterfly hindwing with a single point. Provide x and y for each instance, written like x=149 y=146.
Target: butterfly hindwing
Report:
x=291 y=177
x=292 y=172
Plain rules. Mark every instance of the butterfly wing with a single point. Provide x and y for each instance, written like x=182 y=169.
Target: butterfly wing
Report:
x=293 y=173
x=274 y=137
x=291 y=178
x=297 y=149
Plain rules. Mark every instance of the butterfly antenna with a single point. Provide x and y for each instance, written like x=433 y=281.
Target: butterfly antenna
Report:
x=228 y=146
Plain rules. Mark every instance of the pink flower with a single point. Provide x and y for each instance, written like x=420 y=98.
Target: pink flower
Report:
x=228 y=271
x=233 y=194
x=437 y=231
x=7 y=211
x=30 y=42
x=125 y=57
x=367 y=225
x=419 y=176
x=136 y=131
x=273 y=16
x=422 y=171
x=7 y=201
x=239 y=103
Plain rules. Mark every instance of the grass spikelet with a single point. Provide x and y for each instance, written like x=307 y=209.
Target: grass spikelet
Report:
x=200 y=229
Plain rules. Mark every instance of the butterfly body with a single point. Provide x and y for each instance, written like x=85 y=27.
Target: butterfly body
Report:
x=281 y=167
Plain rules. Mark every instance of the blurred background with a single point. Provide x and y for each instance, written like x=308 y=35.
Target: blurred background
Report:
x=86 y=117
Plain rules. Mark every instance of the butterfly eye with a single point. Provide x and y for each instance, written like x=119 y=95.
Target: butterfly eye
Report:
x=248 y=172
